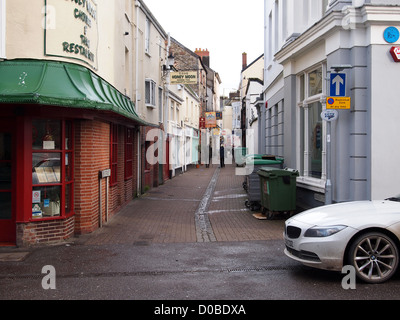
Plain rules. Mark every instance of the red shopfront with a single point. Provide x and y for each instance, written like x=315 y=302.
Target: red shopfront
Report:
x=53 y=147
x=36 y=179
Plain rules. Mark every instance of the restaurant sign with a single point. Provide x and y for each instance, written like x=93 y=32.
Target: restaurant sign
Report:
x=71 y=30
x=184 y=77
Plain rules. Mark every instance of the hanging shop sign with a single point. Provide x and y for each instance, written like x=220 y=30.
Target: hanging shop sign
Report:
x=219 y=115
x=184 y=77
x=395 y=52
x=211 y=120
x=71 y=30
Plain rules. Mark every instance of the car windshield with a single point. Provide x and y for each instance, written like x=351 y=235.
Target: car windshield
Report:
x=395 y=198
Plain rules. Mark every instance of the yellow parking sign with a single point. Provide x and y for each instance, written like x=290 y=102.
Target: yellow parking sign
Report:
x=342 y=103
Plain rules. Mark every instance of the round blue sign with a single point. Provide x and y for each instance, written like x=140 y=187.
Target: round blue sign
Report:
x=391 y=34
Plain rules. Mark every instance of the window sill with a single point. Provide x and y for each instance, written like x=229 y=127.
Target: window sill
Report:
x=316 y=185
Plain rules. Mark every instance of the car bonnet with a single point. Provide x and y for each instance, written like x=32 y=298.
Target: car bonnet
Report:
x=358 y=214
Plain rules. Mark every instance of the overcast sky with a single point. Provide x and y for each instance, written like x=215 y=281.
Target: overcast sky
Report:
x=227 y=28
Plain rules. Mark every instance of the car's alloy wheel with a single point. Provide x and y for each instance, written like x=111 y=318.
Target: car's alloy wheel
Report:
x=374 y=256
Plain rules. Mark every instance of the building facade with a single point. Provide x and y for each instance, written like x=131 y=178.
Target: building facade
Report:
x=77 y=98
x=302 y=52
x=251 y=88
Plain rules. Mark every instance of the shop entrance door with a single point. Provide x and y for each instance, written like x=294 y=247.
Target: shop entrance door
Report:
x=7 y=210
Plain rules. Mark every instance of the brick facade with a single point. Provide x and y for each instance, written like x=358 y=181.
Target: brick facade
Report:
x=92 y=155
x=51 y=231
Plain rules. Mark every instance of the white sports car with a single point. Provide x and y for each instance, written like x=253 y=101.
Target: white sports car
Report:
x=364 y=234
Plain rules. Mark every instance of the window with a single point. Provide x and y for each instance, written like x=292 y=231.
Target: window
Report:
x=315 y=140
x=150 y=93
x=315 y=82
x=311 y=134
x=2 y=28
x=160 y=104
x=52 y=168
x=147 y=37
x=114 y=154
x=128 y=153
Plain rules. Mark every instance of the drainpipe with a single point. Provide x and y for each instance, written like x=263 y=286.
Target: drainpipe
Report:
x=166 y=104
x=139 y=173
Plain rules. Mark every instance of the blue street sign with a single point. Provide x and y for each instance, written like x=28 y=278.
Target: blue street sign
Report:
x=338 y=85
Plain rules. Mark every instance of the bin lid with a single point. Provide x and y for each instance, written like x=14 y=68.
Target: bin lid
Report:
x=266 y=160
x=263 y=162
x=270 y=172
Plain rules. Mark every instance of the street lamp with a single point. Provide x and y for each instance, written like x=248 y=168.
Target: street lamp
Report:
x=170 y=63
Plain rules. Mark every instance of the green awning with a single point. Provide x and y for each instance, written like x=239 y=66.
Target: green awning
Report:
x=61 y=84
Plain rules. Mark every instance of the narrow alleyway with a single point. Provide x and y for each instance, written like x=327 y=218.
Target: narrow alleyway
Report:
x=202 y=205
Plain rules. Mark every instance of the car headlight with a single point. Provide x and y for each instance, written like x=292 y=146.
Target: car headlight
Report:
x=322 y=232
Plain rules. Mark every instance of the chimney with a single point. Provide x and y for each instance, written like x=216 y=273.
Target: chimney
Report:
x=204 y=55
x=244 y=60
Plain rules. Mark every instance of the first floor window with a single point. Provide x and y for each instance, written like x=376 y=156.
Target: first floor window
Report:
x=150 y=92
x=52 y=168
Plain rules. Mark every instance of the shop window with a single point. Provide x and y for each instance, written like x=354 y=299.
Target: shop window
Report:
x=147 y=165
x=128 y=153
x=52 y=168
x=114 y=155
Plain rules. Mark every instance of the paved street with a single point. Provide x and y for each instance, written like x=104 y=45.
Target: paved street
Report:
x=191 y=239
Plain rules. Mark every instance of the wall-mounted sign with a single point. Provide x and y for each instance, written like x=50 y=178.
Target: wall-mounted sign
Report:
x=338 y=103
x=105 y=174
x=329 y=115
x=338 y=84
x=71 y=30
x=391 y=34
x=395 y=52
x=184 y=77
x=202 y=123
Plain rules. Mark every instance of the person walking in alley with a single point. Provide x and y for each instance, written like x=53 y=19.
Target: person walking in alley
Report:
x=209 y=155
x=222 y=156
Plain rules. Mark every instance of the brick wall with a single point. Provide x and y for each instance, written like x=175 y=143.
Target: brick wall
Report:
x=92 y=154
x=45 y=232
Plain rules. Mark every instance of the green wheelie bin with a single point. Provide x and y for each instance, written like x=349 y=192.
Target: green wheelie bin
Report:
x=252 y=180
x=278 y=190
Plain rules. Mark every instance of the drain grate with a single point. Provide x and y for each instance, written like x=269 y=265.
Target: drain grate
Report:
x=152 y=273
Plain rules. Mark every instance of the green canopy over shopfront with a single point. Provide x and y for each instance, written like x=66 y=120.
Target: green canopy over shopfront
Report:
x=61 y=84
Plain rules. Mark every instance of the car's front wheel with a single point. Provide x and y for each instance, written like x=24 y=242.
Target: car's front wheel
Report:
x=375 y=257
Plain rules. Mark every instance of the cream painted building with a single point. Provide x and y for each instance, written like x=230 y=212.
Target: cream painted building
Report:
x=183 y=128
x=68 y=89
